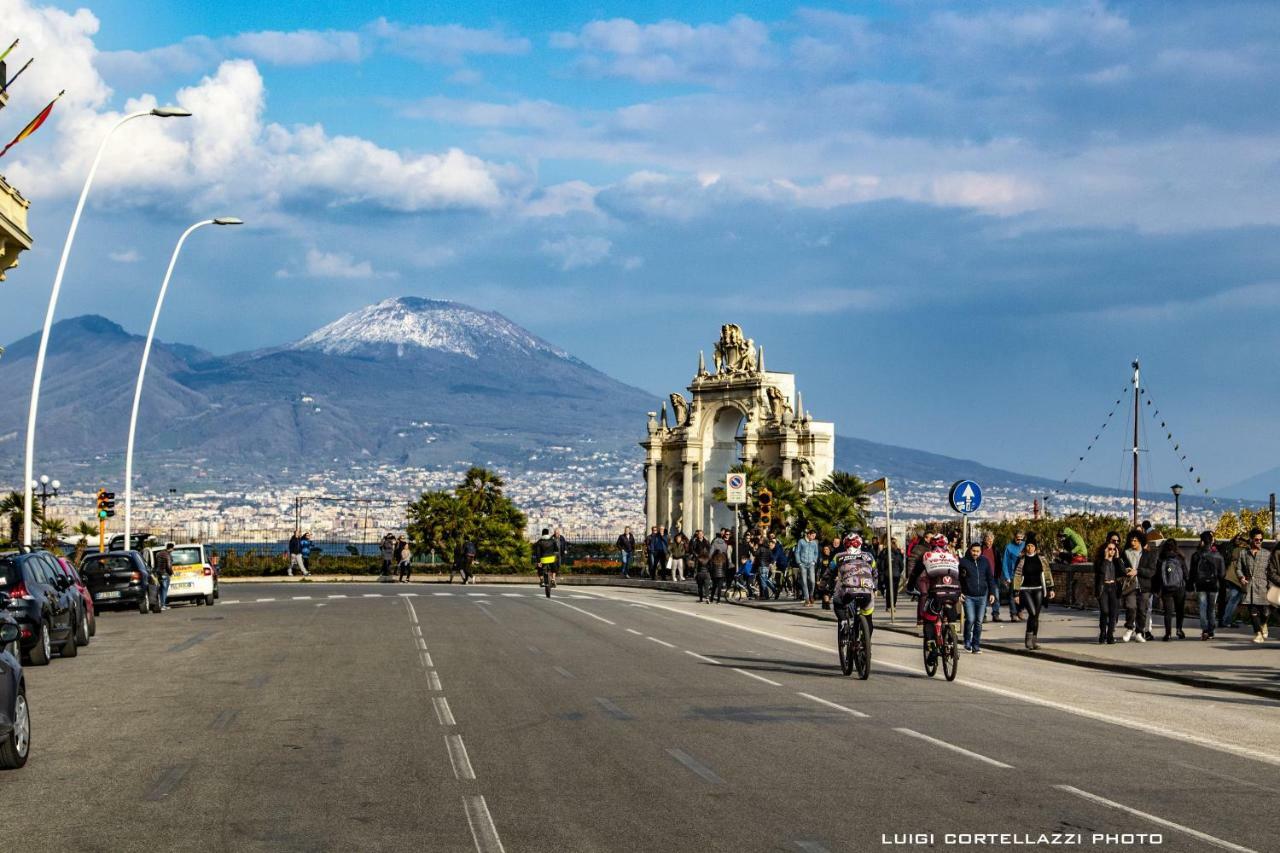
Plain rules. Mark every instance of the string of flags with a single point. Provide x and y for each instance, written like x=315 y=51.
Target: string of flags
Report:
x=1080 y=461
x=1198 y=483
x=33 y=125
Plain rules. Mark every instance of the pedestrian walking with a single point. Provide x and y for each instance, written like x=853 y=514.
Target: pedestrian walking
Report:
x=162 y=561
x=719 y=564
x=626 y=546
x=1172 y=584
x=656 y=549
x=1009 y=561
x=1148 y=580
x=1032 y=585
x=1208 y=571
x=976 y=593
x=699 y=550
x=404 y=559
x=295 y=556
x=305 y=544
x=763 y=563
x=387 y=548
x=1131 y=593
x=989 y=551
x=679 y=548
x=1108 y=578
x=1251 y=566
x=806 y=563
x=1232 y=591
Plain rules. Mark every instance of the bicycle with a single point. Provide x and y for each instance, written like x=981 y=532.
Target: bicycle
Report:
x=946 y=650
x=547 y=582
x=784 y=581
x=853 y=641
x=736 y=588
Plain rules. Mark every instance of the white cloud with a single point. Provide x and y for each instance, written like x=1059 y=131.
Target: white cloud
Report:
x=447 y=44
x=335 y=265
x=561 y=199
x=520 y=114
x=198 y=54
x=670 y=51
x=127 y=256
x=576 y=252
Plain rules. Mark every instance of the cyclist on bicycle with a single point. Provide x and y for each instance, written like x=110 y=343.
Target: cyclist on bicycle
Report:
x=941 y=573
x=852 y=579
x=546 y=557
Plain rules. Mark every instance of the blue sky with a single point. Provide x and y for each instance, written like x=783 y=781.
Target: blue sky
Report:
x=957 y=223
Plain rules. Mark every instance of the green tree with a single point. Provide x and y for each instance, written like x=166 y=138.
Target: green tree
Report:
x=787 y=499
x=477 y=509
x=84 y=530
x=51 y=531
x=830 y=514
x=11 y=505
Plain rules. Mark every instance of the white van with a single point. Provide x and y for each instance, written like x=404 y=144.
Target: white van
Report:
x=193 y=578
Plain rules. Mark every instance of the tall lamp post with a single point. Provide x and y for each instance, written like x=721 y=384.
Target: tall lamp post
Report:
x=142 y=368
x=160 y=112
x=48 y=489
x=1177 y=505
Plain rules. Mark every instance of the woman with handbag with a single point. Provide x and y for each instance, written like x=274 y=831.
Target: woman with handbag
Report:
x=1032 y=586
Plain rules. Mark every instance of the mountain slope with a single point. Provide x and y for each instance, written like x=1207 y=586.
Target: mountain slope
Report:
x=1257 y=488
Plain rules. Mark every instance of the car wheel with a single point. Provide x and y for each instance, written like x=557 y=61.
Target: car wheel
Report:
x=199 y=601
x=82 y=630
x=93 y=624
x=144 y=604
x=16 y=747
x=42 y=652
x=69 y=648
x=208 y=600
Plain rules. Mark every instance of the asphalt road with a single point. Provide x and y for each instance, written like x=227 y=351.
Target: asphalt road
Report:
x=374 y=717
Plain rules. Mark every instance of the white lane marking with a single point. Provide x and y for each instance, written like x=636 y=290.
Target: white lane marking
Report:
x=634 y=605
x=425 y=657
x=1194 y=833
x=513 y=595
x=634 y=631
x=458 y=757
x=579 y=596
x=822 y=701
x=535 y=650
x=322 y=604
x=422 y=644
x=566 y=673
x=302 y=598
x=942 y=743
x=433 y=681
x=585 y=612
x=233 y=601
x=407 y=594
x=443 y=714
x=373 y=595
x=1112 y=719
x=265 y=599
x=413 y=612
x=483 y=832
x=756 y=677
x=662 y=642
x=417 y=630
x=477 y=594
x=696 y=766
x=442 y=593
x=702 y=657
x=612 y=710
x=339 y=595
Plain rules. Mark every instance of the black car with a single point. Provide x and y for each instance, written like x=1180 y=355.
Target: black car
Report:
x=120 y=579
x=44 y=602
x=15 y=717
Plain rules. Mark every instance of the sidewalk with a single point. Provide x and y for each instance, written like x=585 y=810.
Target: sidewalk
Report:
x=1230 y=662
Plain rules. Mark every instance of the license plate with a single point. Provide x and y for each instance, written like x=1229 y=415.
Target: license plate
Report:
x=107 y=595
x=180 y=585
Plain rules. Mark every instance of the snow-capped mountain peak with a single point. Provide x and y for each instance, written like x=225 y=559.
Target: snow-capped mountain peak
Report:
x=408 y=322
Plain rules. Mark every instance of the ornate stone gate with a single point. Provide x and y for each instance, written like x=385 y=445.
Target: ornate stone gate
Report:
x=738 y=413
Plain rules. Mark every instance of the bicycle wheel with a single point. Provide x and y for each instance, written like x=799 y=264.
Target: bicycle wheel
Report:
x=546 y=584
x=950 y=654
x=862 y=648
x=844 y=643
x=930 y=660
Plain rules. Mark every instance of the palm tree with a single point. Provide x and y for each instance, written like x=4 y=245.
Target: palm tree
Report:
x=84 y=530
x=831 y=514
x=787 y=499
x=12 y=506
x=51 y=531
x=850 y=485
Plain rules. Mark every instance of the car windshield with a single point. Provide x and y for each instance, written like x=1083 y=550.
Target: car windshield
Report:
x=186 y=557
x=109 y=563
x=9 y=572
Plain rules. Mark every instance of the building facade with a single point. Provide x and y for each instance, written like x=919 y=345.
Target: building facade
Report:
x=739 y=412
x=14 y=238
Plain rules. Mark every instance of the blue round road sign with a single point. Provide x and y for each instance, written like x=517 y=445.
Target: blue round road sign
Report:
x=965 y=496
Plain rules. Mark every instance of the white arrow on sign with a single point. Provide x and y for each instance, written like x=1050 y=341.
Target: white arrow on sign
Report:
x=967 y=494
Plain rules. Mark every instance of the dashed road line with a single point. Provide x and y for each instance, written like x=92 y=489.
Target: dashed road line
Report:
x=513 y=595
x=407 y=594
x=458 y=758
x=612 y=710
x=1159 y=821
x=443 y=714
x=756 y=677
x=169 y=779
x=566 y=673
x=225 y=718
x=838 y=707
x=422 y=644
x=585 y=612
x=433 y=681
x=372 y=595
x=483 y=832
x=442 y=593
x=260 y=600
x=302 y=598
x=535 y=650
x=962 y=751
x=425 y=657
x=707 y=774
x=413 y=614
x=662 y=642
x=702 y=657
x=634 y=631
x=338 y=595
x=477 y=594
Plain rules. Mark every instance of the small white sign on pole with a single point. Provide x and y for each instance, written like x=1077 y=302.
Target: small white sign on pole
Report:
x=735 y=487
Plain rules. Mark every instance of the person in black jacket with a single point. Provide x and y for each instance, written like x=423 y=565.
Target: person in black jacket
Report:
x=626 y=545
x=1131 y=593
x=976 y=578
x=1148 y=581
x=546 y=557
x=1171 y=581
x=1108 y=576
x=1208 y=571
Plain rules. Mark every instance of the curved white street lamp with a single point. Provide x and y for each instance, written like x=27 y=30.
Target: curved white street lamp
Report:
x=160 y=112
x=142 y=370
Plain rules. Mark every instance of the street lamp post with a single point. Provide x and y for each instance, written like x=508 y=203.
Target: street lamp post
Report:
x=142 y=368
x=48 y=489
x=160 y=112
x=1177 y=505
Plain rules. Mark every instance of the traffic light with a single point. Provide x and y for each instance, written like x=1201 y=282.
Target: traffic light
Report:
x=764 y=507
x=106 y=503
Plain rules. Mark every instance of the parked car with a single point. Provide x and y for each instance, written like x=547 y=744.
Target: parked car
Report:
x=193 y=578
x=88 y=624
x=15 y=716
x=44 y=602
x=121 y=579
x=137 y=541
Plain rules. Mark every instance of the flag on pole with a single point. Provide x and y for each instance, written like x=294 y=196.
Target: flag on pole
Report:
x=7 y=83
x=33 y=125
x=8 y=50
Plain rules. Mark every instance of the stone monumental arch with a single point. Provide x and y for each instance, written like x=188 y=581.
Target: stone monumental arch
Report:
x=738 y=413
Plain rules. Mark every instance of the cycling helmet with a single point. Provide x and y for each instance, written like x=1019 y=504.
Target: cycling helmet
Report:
x=940 y=541
x=853 y=541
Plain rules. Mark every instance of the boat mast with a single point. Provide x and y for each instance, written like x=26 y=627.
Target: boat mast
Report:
x=1136 y=413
